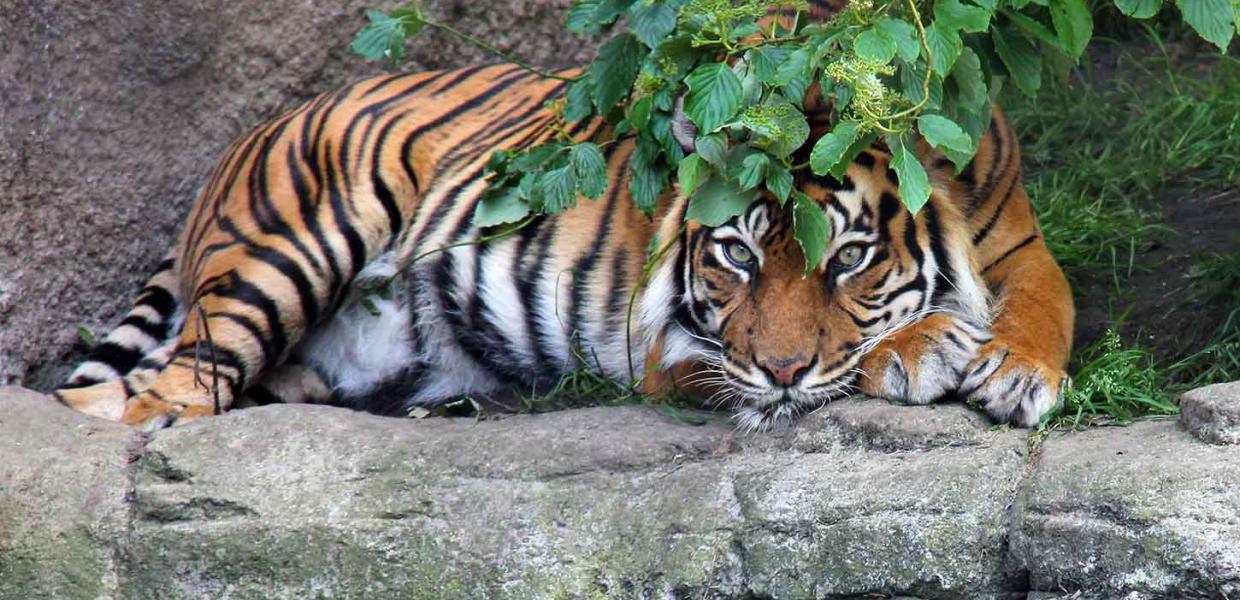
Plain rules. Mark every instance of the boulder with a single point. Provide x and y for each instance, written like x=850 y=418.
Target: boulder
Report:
x=1212 y=413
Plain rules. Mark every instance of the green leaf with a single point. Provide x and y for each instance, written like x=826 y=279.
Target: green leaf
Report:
x=781 y=128
x=811 y=228
x=716 y=201
x=1139 y=9
x=957 y=15
x=591 y=169
x=692 y=172
x=581 y=17
x=841 y=168
x=506 y=206
x=713 y=148
x=613 y=71
x=559 y=189
x=1035 y=29
x=639 y=113
x=914 y=183
x=766 y=60
x=752 y=170
x=1021 y=59
x=87 y=338
x=649 y=175
x=942 y=132
x=945 y=46
x=652 y=22
x=577 y=100
x=591 y=16
x=384 y=37
x=829 y=149
x=874 y=44
x=1212 y=19
x=537 y=157
x=714 y=96
x=1073 y=24
x=674 y=57
x=969 y=81
x=792 y=68
x=912 y=78
x=779 y=181
x=908 y=46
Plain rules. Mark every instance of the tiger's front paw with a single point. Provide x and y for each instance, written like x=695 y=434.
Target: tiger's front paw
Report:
x=1012 y=386
x=924 y=361
x=151 y=413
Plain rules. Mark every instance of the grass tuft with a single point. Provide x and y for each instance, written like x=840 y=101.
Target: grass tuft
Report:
x=1114 y=382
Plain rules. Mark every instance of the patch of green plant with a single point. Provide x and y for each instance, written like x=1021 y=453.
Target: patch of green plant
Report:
x=711 y=91
x=1099 y=151
x=1113 y=382
x=1217 y=277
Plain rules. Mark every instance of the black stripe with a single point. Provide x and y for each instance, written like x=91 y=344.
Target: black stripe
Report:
x=384 y=194
x=357 y=249
x=585 y=266
x=946 y=274
x=274 y=341
x=994 y=217
x=120 y=358
x=159 y=299
x=999 y=164
x=527 y=285
x=307 y=211
x=262 y=396
x=156 y=330
x=1029 y=240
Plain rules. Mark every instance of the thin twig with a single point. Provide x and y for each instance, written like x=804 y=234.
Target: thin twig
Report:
x=200 y=327
x=496 y=51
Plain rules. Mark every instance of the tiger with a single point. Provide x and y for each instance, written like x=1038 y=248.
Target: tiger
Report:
x=332 y=257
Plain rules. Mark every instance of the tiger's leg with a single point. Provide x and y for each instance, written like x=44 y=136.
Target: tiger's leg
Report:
x=1019 y=375
x=922 y=361
x=249 y=310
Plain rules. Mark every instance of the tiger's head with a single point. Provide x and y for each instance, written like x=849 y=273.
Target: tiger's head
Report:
x=735 y=301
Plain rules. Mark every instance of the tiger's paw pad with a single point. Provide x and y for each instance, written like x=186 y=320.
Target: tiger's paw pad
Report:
x=924 y=361
x=1011 y=386
x=150 y=414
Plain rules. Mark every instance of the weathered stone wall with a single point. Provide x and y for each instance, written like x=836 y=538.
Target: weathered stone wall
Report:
x=113 y=112
x=860 y=500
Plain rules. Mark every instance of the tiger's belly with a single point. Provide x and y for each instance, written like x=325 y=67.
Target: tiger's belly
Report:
x=508 y=314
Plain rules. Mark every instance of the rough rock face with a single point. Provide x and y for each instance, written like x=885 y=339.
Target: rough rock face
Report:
x=112 y=114
x=1212 y=412
x=861 y=499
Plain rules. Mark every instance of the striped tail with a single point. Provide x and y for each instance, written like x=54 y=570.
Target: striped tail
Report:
x=133 y=353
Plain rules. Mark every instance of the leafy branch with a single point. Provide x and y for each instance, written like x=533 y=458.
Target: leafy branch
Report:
x=715 y=93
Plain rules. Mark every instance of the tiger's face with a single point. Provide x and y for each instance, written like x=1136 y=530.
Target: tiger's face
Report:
x=774 y=340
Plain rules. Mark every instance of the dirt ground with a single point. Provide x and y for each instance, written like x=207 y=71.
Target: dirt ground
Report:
x=1165 y=313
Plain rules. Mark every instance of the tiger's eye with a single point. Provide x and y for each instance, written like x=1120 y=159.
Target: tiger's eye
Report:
x=738 y=253
x=849 y=255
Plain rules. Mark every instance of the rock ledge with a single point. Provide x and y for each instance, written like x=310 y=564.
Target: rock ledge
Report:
x=859 y=499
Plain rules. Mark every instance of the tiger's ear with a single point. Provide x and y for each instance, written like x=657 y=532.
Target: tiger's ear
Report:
x=684 y=130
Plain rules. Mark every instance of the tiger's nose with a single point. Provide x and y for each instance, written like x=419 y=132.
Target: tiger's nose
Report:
x=785 y=371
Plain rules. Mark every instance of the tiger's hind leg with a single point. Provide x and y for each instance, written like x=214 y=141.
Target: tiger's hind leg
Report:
x=132 y=354
x=252 y=305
